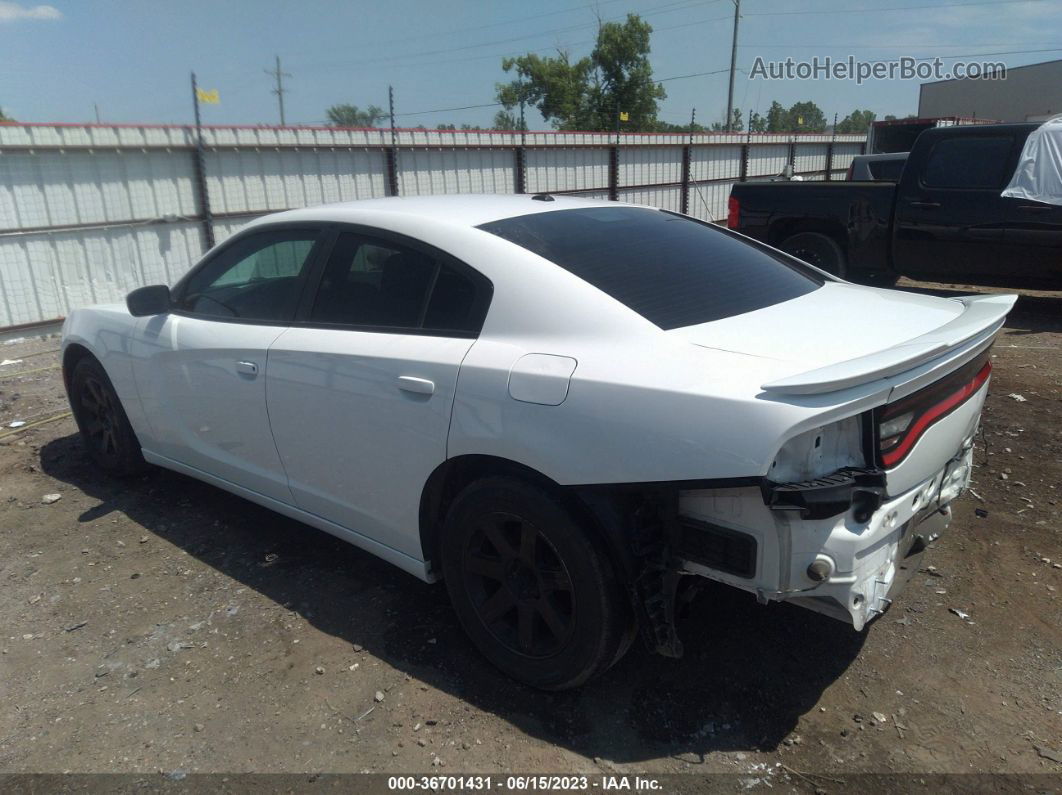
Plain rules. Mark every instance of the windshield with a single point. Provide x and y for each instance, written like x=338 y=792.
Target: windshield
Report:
x=670 y=269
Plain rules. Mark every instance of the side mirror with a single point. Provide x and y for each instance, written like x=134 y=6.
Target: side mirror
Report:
x=153 y=300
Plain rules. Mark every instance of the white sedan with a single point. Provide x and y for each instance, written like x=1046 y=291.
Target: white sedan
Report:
x=568 y=410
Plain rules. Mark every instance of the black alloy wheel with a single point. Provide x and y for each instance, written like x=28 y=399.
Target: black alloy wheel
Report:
x=519 y=586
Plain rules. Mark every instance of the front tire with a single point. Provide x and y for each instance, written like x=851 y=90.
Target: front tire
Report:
x=106 y=433
x=819 y=250
x=533 y=590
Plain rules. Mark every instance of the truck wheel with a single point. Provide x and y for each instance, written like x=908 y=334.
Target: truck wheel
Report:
x=105 y=430
x=532 y=589
x=818 y=250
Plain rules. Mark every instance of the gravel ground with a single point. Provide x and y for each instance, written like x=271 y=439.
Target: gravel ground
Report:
x=160 y=624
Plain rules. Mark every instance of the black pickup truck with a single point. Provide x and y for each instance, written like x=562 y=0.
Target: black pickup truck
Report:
x=943 y=221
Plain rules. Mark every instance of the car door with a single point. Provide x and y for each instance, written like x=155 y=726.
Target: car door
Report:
x=949 y=216
x=361 y=388
x=201 y=374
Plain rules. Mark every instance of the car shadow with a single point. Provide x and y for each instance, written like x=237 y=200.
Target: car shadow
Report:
x=748 y=674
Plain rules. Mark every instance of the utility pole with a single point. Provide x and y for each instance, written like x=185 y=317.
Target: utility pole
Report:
x=278 y=76
x=733 y=68
x=200 y=170
x=96 y=107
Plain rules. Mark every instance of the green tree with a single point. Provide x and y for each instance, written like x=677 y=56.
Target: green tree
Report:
x=777 y=118
x=507 y=120
x=757 y=123
x=736 y=124
x=588 y=94
x=858 y=121
x=4 y=116
x=806 y=117
x=353 y=116
x=668 y=127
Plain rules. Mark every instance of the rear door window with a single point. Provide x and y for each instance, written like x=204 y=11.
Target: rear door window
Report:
x=376 y=283
x=969 y=162
x=670 y=269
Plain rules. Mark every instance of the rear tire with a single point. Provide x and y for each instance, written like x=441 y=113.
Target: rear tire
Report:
x=106 y=433
x=533 y=590
x=819 y=250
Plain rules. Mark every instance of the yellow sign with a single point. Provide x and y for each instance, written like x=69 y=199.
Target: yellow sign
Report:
x=210 y=97
x=625 y=116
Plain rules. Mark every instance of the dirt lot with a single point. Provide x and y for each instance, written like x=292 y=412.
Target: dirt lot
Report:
x=164 y=625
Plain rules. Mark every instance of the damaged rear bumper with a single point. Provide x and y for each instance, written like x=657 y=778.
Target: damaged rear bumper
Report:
x=837 y=545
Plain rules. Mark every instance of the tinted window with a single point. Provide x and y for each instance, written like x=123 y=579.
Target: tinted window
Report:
x=370 y=282
x=968 y=163
x=670 y=269
x=886 y=170
x=258 y=277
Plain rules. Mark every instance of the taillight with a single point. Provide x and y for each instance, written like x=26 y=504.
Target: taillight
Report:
x=733 y=213
x=902 y=424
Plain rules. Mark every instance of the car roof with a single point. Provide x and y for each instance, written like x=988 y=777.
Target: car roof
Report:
x=467 y=210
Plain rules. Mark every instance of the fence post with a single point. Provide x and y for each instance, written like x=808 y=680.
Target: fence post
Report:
x=684 y=202
x=520 y=167
x=613 y=173
x=392 y=153
x=392 y=170
x=829 y=161
x=743 y=173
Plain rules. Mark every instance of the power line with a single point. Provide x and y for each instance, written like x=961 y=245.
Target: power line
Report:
x=448 y=110
x=695 y=74
x=279 y=89
x=663 y=9
x=879 y=10
x=500 y=104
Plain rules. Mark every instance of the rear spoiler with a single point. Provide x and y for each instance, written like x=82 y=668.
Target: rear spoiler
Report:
x=982 y=317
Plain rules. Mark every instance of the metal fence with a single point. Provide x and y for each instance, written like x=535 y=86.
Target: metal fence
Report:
x=89 y=212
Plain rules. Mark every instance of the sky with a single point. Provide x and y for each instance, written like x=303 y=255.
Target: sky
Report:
x=131 y=59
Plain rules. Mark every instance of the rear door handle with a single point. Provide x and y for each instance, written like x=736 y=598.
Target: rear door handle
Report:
x=418 y=386
x=247 y=368
x=925 y=204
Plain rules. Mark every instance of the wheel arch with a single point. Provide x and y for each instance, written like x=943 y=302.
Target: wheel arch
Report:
x=606 y=513
x=73 y=353
x=783 y=230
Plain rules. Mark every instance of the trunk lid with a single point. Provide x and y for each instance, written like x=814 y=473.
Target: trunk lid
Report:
x=843 y=335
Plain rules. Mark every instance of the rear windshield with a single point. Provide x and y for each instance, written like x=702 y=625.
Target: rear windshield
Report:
x=670 y=269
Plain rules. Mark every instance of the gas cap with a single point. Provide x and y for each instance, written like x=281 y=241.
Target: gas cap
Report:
x=541 y=378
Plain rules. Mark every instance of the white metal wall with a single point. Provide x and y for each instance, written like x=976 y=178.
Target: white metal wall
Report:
x=88 y=213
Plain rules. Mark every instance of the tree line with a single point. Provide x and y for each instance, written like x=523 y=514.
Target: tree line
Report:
x=611 y=88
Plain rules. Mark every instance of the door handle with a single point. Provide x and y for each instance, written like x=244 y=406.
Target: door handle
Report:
x=247 y=368
x=925 y=204
x=418 y=386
